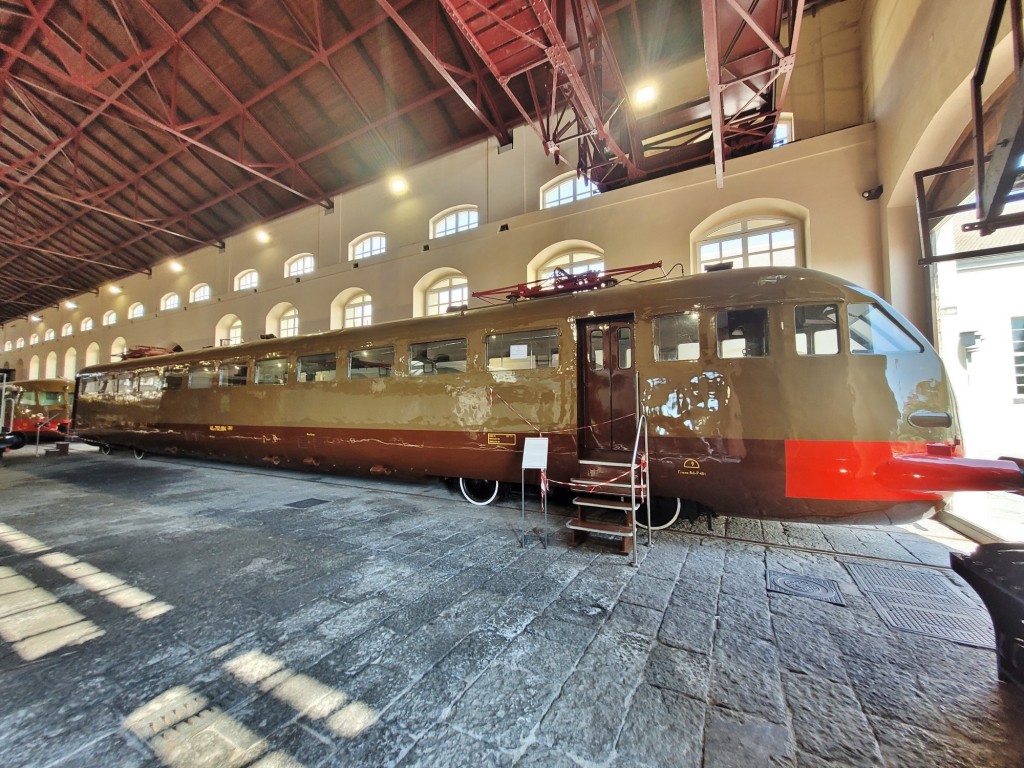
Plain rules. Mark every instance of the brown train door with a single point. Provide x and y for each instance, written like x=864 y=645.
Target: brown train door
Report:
x=607 y=385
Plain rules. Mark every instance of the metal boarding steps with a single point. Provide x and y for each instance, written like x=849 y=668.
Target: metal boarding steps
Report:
x=612 y=487
x=60 y=448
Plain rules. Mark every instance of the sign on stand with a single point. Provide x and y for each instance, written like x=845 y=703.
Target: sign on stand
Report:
x=535 y=456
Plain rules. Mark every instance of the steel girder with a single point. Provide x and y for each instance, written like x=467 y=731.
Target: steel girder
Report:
x=748 y=49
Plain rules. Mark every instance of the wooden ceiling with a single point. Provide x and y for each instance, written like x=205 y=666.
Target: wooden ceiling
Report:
x=133 y=130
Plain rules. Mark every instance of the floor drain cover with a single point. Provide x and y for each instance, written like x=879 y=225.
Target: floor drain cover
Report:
x=306 y=503
x=805 y=586
x=923 y=602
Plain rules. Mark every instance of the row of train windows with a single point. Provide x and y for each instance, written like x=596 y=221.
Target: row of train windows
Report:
x=816 y=331
x=738 y=332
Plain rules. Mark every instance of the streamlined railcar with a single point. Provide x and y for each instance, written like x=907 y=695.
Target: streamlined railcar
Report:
x=41 y=411
x=776 y=393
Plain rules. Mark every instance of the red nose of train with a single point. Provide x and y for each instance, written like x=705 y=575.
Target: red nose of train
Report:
x=939 y=471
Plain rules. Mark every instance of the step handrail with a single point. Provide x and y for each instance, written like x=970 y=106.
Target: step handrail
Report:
x=641 y=431
x=41 y=424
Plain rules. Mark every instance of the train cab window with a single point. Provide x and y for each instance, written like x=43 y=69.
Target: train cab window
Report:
x=201 y=376
x=872 y=332
x=521 y=350
x=742 y=332
x=371 y=363
x=271 y=371
x=27 y=398
x=314 y=368
x=816 y=329
x=677 y=337
x=124 y=383
x=436 y=357
x=233 y=374
x=174 y=378
x=93 y=385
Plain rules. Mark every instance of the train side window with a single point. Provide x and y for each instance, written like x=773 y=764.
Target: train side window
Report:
x=436 y=357
x=872 y=332
x=149 y=382
x=817 y=329
x=521 y=350
x=742 y=332
x=201 y=376
x=51 y=398
x=27 y=398
x=374 y=363
x=124 y=383
x=624 y=339
x=314 y=368
x=273 y=370
x=174 y=378
x=233 y=374
x=677 y=337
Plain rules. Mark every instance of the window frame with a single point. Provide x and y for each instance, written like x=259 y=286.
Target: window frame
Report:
x=439 y=229
x=435 y=289
x=136 y=311
x=382 y=353
x=745 y=230
x=528 y=335
x=170 y=301
x=432 y=366
x=243 y=282
x=570 y=180
x=300 y=264
x=372 y=250
x=85 y=325
x=363 y=302
x=195 y=290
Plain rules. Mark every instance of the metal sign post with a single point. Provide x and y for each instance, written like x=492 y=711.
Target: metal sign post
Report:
x=535 y=456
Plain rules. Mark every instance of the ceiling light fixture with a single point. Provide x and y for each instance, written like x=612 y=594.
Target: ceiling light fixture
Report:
x=115 y=289
x=398 y=185
x=262 y=236
x=70 y=304
x=35 y=318
x=176 y=266
x=645 y=95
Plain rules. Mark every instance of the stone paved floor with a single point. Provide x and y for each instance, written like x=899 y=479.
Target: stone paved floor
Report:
x=168 y=613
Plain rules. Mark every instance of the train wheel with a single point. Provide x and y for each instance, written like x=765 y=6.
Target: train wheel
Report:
x=664 y=512
x=106 y=450
x=479 y=492
x=17 y=441
x=138 y=453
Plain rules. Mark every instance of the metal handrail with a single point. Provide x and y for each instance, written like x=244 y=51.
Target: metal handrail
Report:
x=641 y=430
x=41 y=424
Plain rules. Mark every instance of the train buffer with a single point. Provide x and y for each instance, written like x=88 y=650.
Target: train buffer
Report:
x=996 y=573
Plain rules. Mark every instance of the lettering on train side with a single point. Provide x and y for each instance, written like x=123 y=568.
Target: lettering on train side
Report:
x=501 y=438
x=692 y=468
x=221 y=428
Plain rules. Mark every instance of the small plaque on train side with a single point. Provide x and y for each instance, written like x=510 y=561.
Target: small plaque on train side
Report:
x=501 y=438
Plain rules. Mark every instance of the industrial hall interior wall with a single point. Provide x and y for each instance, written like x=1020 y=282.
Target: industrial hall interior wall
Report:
x=879 y=92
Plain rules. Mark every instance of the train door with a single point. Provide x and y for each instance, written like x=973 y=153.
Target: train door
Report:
x=607 y=384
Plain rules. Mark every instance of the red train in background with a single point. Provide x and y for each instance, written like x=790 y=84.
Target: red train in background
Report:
x=38 y=409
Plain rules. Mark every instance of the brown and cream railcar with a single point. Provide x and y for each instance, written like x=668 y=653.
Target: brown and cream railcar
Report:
x=777 y=393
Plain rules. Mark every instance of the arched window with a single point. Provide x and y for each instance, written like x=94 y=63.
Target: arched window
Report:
x=573 y=263
x=451 y=291
x=50 y=334
x=303 y=264
x=452 y=220
x=70 y=363
x=20 y=343
x=358 y=311
x=135 y=311
x=92 y=354
x=8 y=346
x=110 y=318
x=86 y=324
x=288 y=325
x=228 y=331
x=67 y=330
x=235 y=332
x=247 y=281
x=33 y=367
x=566 y=189
x=370 y=244
x=752 y=242
x=33 y=339
x=170 y=301
x=51 y=365
x=199 y=292
x=117 y=349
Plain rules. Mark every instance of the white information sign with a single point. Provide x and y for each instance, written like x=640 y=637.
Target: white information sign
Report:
x=535 y=453
x=519 y=351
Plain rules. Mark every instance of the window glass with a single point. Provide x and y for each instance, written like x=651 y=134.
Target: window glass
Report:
x=817 y=329
x=51 y=398
x=288 y=325
x=201 y=376
x=234 y=374
x=677 y=337
x=110 y=318
x=87 y=324
x=93 y=385
x=358 y=311
x=136 y=311
x=370 y=245
x=300 y=265
x=459 y=221
x=124 y=383
x=448 y=292
x=872 y=332
x=271 y=371
x=435 y=357
x=247 y=280
x=755 y=242
x=200 y=292
x=174 y=378
x=371 y=363
x=523 y=350
x=51 y=334
x=317 y=367
x=624 y=339
x=149 y=382
x=1017 y=334
x=170 y=301
x=595 y=355
x=27 y=398
x=560 y=192
x=742 y=332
